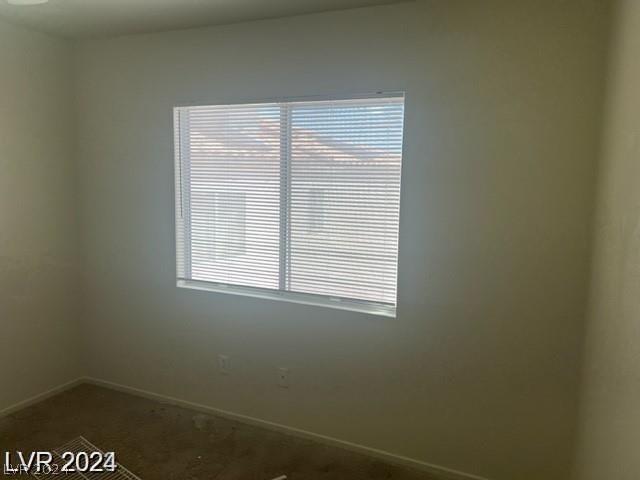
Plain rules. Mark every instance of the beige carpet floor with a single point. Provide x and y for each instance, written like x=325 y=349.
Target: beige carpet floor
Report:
x=161 y=442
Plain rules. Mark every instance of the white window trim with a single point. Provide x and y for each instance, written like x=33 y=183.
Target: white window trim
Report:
x=361 y=306
x=347 y=304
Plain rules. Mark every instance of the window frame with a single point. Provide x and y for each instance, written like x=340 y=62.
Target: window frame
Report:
x=181 y=195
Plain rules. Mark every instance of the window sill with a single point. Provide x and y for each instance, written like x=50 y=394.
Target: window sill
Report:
x=370 y=308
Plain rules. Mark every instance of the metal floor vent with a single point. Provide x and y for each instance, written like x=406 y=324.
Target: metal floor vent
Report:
x=81 y=444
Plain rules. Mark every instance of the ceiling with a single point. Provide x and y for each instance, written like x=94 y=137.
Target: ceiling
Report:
x=101 y=18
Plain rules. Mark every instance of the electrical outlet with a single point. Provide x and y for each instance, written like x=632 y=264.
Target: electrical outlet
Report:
x=224 y=364
x=284 y=377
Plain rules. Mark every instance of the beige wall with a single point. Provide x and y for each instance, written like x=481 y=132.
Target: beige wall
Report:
x=479 y=372
x=38 y=228
x=610 y=420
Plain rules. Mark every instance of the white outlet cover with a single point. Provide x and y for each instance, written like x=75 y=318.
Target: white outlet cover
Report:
x=224 y=364
x=284 y=377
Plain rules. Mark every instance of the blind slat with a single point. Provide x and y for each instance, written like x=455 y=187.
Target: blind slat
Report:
x=299 y=196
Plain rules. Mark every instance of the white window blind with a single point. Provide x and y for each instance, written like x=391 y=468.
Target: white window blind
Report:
x=295 y=200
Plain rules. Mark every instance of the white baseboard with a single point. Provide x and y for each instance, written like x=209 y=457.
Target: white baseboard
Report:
x=442 y=472
x=40 y=397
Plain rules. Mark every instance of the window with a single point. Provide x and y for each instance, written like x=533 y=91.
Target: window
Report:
x=294 y=200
